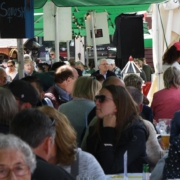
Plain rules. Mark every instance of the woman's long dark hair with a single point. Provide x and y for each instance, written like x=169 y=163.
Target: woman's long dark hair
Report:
x=171 y=55
x=127 y=109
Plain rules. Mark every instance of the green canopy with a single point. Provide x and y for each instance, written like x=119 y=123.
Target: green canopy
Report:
x=79 y=14
x=85 y=3
x=80 y=8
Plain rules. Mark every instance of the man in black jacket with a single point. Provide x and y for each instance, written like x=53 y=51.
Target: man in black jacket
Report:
x=103 y=69
x=38 y=130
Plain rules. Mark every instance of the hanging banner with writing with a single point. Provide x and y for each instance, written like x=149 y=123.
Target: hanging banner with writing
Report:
x=16 y=18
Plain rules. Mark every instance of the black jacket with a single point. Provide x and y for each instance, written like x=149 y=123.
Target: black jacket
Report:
x=175 y=126
x=46 y=171
x=110 y=157
x=4 y=128
x=109 y=73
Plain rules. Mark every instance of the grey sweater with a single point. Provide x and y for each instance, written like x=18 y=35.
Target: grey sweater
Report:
x=88 y=165
x=77 y=111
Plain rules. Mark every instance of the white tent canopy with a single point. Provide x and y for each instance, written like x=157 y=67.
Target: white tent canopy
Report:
x=166 y=31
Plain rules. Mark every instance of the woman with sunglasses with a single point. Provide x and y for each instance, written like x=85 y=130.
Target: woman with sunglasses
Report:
x=118 y=129
x=11 y=69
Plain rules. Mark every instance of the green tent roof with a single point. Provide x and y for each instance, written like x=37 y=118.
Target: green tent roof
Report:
x=81 y=7
x=79 y=14
x=85 y=3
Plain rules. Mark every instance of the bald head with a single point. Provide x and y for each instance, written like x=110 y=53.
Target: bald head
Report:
x=113 y=80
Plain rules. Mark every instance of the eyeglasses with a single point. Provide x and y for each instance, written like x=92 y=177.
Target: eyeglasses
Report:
x=105 y=64
x=101 y=98
x=51 y=54
x=18 y=170
x=10 y=66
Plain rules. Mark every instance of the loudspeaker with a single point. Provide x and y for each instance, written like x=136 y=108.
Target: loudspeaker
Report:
x=129 y=37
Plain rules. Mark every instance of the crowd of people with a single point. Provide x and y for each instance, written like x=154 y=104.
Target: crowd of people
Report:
x=58 y=122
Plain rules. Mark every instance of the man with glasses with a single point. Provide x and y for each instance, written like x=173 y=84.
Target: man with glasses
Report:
x=103 y=69
x=64 y=78
x=38 y=130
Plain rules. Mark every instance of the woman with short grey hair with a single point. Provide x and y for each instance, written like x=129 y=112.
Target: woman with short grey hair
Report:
x=171 y=77
x=167 y=101
x=16 y=157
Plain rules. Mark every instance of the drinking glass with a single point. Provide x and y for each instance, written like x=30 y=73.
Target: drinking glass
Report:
x=164 y=126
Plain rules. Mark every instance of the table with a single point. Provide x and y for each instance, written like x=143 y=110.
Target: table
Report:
x=131 y=176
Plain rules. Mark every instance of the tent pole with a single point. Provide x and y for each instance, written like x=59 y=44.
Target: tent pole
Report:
x=87 y=57
x=94 y=40
x=20 y=58
x=56 y=35
x=156 y=43
x=68 y=51
x=168 y=29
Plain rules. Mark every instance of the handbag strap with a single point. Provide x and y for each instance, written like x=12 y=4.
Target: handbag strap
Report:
x=75 y=166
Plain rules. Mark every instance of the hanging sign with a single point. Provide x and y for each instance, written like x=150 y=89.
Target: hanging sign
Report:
x=16 y=19
x=101 y=30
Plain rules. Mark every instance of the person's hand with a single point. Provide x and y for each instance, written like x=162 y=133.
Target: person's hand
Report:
x=109 y=121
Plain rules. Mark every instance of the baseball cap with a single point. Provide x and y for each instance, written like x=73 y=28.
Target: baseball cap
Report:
x=24 y=91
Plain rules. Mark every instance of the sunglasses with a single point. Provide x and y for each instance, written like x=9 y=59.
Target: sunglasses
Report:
x=51 y=54
x=101 y=98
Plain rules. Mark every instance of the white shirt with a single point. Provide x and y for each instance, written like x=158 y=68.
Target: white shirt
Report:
x=176 y=64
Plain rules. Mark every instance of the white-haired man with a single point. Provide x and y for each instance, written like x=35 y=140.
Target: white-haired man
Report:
x=103 y=69
x=114 y=68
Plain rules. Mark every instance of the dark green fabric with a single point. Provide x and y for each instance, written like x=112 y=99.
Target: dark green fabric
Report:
x=75 y=3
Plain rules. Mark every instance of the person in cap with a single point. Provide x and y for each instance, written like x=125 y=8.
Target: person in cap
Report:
x=114 y=68
x=38 y=130
x=36 y=83
x=25 y=94
x=103 y=69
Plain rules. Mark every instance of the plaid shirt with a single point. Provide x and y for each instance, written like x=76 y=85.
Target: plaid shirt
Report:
x=117 y=72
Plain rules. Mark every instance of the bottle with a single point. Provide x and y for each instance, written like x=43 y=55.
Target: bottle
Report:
x=145 y=175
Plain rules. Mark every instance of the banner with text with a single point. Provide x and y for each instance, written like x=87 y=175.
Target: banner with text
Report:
x=16 y=18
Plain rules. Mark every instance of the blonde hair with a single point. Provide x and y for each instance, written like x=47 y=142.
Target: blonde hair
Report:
x=65 y=136
x=86 y=87
x=139 y=62
x=28 y=61
x=171 y=77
